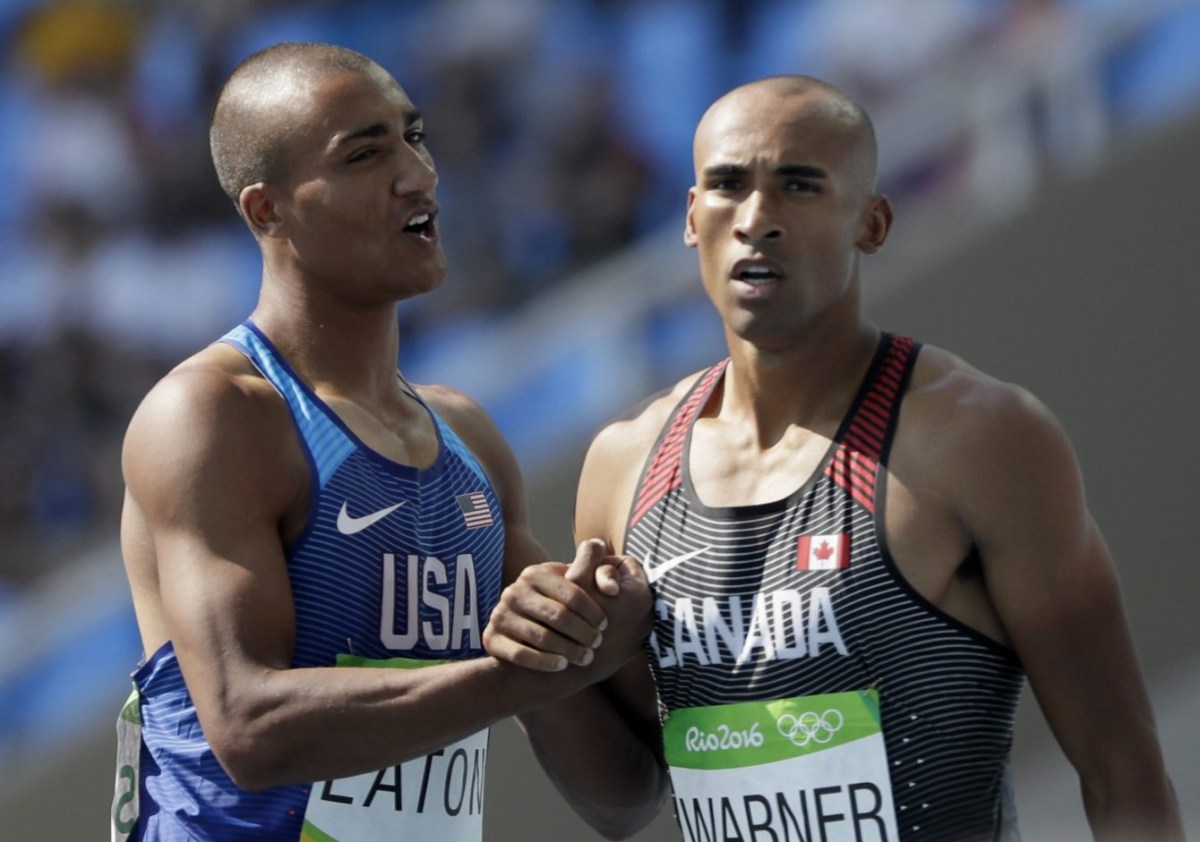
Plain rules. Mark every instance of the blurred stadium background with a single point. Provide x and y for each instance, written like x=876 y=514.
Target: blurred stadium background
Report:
x=1042 y=155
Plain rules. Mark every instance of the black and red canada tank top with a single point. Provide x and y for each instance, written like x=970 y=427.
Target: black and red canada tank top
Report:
x=801 y=597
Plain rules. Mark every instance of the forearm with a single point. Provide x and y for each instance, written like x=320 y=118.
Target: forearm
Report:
x=1134 y=802
x=304 y=725
x=602 y=766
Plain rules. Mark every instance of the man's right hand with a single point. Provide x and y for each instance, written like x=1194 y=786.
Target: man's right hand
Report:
x=555 y=614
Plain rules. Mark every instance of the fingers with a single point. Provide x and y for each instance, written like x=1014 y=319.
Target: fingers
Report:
x=608 y=579
x=589 y=555
x=592 y=563
x=545 y=622
x=533 y=646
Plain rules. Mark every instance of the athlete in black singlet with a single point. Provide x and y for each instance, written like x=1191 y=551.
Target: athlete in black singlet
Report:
x=859 y=548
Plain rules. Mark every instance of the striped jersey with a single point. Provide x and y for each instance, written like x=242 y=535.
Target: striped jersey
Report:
x=800 y=597
x=394 y=564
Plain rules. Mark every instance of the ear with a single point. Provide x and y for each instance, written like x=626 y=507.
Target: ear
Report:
x=878 y=223
x=689 y=226
x=259 y=211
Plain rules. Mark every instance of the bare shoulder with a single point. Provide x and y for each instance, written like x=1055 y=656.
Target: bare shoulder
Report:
x=458 y=409
x=472 y=423
x=972 y=431
x=614 y=462
x=212 y=411
x=627 y=437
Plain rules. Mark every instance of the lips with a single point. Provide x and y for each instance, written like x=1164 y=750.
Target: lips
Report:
x=422 y=223
x=756 y=271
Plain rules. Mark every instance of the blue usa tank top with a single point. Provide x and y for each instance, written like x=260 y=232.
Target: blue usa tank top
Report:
x=766 y=606
x=395 y=566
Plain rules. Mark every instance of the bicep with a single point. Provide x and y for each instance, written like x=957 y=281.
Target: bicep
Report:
x=209 y=490
x=1055 y=589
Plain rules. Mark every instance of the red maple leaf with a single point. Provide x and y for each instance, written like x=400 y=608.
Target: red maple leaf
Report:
x=824 y=551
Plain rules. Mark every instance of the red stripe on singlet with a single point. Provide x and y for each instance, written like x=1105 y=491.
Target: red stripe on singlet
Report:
x=664 y=474
x=856 y=463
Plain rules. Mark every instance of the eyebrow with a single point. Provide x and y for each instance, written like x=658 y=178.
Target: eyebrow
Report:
x=375 y=130
x=801 y=170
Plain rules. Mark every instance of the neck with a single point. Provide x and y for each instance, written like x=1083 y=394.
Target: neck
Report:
x=810 y=383
x=338 y=348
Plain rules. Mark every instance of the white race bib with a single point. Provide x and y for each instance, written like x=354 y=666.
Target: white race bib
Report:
x=438 y=796
x=804 y=768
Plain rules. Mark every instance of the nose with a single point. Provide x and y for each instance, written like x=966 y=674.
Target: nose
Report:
x=757 y=219
x=415 y=172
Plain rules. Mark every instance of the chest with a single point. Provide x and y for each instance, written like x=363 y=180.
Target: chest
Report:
x=729 y=467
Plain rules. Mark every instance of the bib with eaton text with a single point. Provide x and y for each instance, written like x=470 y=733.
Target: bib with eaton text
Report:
x=438 y=796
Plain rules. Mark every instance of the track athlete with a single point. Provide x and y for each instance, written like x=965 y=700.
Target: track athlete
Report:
x=314 y=545
x=861 y=547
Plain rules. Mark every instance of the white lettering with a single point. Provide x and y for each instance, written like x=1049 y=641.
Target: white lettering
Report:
x=788 y=628
x=687 y=638
x=723 y=739
x=820 y=611
x=759 y=634
x=437 y=571
x=717 y=631
x=466 y=617
x=732 y=634
x=427 y=584
x=387 y=620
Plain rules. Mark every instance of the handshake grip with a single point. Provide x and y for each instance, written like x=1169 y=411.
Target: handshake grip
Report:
x=593 y=614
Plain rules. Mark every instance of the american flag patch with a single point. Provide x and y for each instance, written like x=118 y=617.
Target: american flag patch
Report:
x=475 y=510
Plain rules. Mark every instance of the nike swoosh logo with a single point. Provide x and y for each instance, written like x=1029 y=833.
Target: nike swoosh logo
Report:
x=663 y=568
x=350 y=525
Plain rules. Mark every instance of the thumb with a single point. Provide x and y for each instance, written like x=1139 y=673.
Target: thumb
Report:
x=588 y=556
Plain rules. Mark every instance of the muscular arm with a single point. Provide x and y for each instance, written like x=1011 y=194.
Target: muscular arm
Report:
x=212 y=472
x=1055 y=589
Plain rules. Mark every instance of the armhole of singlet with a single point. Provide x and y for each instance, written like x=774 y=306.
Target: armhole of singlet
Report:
x=659 y=441
x=314 y=473
x=885 y=550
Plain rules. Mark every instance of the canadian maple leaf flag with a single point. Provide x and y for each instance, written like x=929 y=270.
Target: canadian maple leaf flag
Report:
x=823 y=552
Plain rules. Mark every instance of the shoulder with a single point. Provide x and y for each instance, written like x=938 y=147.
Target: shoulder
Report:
x=466 y=416
x=626 y=439
x=211 y=412
x=970 y=432
x=615 y=459
x=472 y=423
x=207 y=394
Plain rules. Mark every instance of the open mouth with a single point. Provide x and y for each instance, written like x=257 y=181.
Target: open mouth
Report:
x=756 y=275
x=421 y=225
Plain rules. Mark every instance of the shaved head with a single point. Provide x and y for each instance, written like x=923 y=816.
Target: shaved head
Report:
x=259 y=107
x=805 y=95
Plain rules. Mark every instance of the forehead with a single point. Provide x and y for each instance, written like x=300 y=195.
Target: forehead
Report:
x=349 y=100
x=780 y=128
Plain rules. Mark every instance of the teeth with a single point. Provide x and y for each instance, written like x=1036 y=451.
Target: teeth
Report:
x=418 y=221
x=756 y=274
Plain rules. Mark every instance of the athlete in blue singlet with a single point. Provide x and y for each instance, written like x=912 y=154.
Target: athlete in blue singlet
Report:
x=314 y=546
x=860 y=547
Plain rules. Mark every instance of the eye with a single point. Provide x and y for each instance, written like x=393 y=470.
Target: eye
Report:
x=416 y=137
x=726 y=184
x=803 y=187
x=362 y=154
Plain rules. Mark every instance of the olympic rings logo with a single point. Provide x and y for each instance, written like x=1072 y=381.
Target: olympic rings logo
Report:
x=810 y=727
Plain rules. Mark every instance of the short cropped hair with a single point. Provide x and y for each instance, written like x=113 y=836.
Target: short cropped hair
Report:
x=249 y=126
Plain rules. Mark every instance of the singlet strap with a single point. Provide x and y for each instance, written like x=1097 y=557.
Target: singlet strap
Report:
x=662 y=473
x=327 y=441
x=866 y=439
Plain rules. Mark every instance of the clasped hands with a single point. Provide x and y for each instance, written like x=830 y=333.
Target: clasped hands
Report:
x=593 y=613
